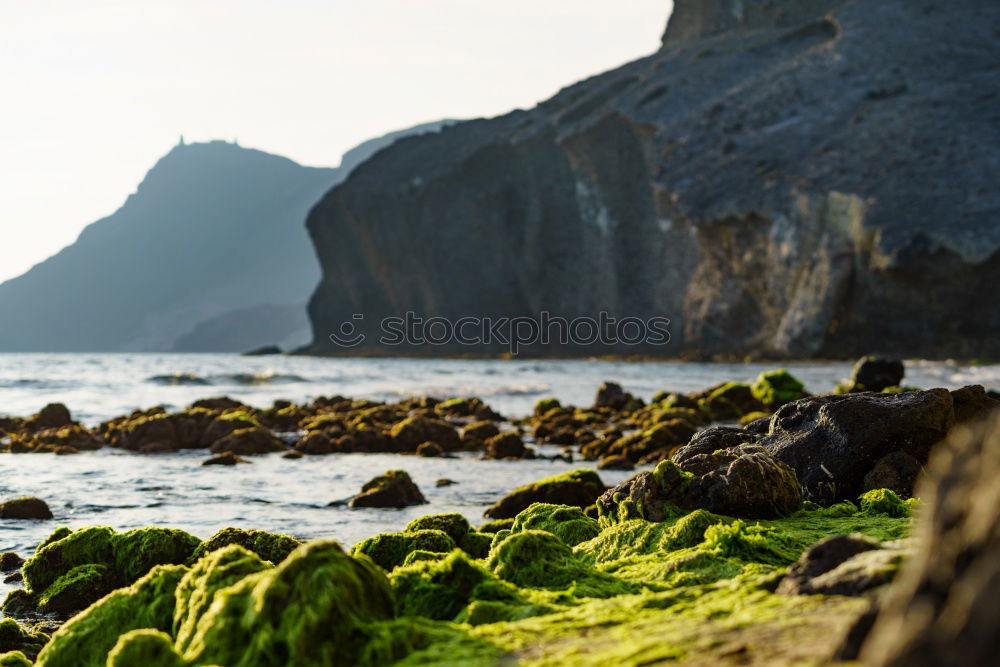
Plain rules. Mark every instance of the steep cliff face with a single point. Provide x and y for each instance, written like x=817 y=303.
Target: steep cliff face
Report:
x=782 y=178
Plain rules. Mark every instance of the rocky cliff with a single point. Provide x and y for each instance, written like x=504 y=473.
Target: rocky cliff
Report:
x=782 y=178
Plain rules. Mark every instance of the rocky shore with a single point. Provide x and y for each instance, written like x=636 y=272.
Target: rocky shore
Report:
x=764 y=525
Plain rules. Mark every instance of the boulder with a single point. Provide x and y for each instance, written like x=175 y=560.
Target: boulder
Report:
x=875 y=374
x=578 y=488
x=475 y=435
x=10 y=561
x=411 y=432
x=53 y=415
x=943 y=610
x=897 y=471
x=611 y=395
x=316 y=443
x=730 y=401
x=615 y=462
x=775 y=388
x=224 y=459
x=430 y=450
x=25 y=508
x=264 y=350
x=393 y=489
x=822 y=557
x=505 y=446
x=255 y=440
x=973 y=403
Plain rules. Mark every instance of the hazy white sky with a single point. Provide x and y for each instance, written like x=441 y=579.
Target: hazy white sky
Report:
x=95 y=91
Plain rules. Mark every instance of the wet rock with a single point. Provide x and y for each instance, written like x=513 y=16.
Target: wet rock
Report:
x=544 y=405
x=617 y=462
x=776 y=388
x=973 y=403
x=475 y=435
x=10 y=561
x=832 y=442
x=710 y=440
x=220 y=403
x=505 y=446
x=393 y=489
x=25 y=508
x=943 y=610
x=224 y=459
x=897 y=471
x=53 y=415
x=292 y=454
x=316 y=443
x=413 y=431
x=390 y=550
x=730 y=401
x=430 y=450
x=466 y=407
x=454 y=525
x=262 y=351
x=820 y=558
x=578 y=488
x=611 y=395
x=14 y=637
x=13 y=577
x=444 y=482
x=255 y=440
x=875 y=374
x=77 y=589
x=271 y=547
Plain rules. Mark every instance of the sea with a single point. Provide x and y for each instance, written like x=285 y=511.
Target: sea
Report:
x=125 y=490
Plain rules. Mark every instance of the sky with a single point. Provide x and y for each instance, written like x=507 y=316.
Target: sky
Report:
x=94 y=92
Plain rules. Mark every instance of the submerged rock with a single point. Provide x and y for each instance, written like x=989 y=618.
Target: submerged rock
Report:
x=579 y=488
x=224 y=459
x=393 y=489
x=25 y=509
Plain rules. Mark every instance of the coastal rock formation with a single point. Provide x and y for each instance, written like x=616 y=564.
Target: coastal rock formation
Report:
x=577 y=488
x=787 y=179
x=393 y=489
x=25 y=508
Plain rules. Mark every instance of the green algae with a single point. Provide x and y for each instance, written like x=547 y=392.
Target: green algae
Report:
x=137 y=551
x=567 y=523
x=775 y=388
x=495 y=526
x=418 y=641
x=57 y=557
x=579 y=488
x=15 y=637
x=476 y=545
x=14 y=659
x=146 y=647
x=389 y=550
x=421 y=555
x=885 y=502
x=19 y=602
x=196 y=590
x=455 y=525
x=78 y=588
x=87 y=638
x=271 y=547
x=544 y=405
x=55 y=536
x=309 y=610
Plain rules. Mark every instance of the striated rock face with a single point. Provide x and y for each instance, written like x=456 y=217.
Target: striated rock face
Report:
x=782 y=178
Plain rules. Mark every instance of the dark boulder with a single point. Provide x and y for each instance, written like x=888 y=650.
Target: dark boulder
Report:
x=393 y=489
x=255 y=440
x=53 y=415
x=25 y=508
x=897 y=471
x=615 y=462
x=505 y=446
x=832 y=442
x=943 y=610
x=611 y=395
x=411 y=432
x=875 y=374
x=820 y=558
x=430 y=450
x=10 y=561
x=224 y=459
x=265 y=350
x=973 y=403
x=579 y=488
x=710 y=440
x=316 y=443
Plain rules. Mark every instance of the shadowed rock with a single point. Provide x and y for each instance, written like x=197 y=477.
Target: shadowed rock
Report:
x=393 y=489
x=25 y=508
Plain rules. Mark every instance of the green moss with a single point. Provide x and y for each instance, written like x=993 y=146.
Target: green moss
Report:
x=14 y=659
x=77 y=589
x=19 y=602
x=455 y=525
x=577 y=487
x=775 y=388
x=496 y=526
x=14 y=637
x=389 y=550
x=567 y=523
x=885 y=502
x=751 y=417
x=55 y=536
x=441 y=589
x=476 y=545
x=196 y=590
x=271 y=547
x=149 y=648
x=87 y=638
x=309 y=610
x=420 y=555
x=136 y=551
x=544 y=405
x=418 y=641
x=81 y=547
x=244 y=418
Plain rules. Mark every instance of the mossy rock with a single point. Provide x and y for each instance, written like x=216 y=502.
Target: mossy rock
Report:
x=57 y=557
x=885 y=502
x=567 y=523
x=19 y=602
x=441 y=589
x=495 y=526
x=76 y=590
x=455 y=525
x=389 y=550
x=87 y=638
x=578 y=488
x=147 y=647
x=269 y=546
x=545 y=405
x=311 y=609
x=776 y=388
x=535 y=559
x=137 y=551
x=15 y=637
x=476 y=545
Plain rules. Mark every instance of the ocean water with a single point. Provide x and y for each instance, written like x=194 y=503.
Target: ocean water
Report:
x=124 y=490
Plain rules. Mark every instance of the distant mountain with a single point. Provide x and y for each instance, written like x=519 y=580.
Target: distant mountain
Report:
x=209 y=254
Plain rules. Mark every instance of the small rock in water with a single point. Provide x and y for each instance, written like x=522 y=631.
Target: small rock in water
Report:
x=224 y=459
x=615 y=462
x=53 y=415
x=263 y=351
x=10 y=561
x=13 y=578
x=505 y=446
x=445 y=482
x=393 y=489
x=292 y=454
x=430 y=450
x=875 y=374
x=25 y=508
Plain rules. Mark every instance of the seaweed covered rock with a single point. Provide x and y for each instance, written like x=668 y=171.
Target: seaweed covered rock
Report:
x=430 y=450
x=87 y=638
x=77 y=589
x=10 y=561
x=897 y=471
x=475 y=435
x=505 y=446
x=148 y=647
x=885 y=502
x=731 y=400
x=14 y=637
x=579 y=488
x=707 y=442
x=454 y=525
x=833 y=442
x=567 y=523
x=466 y=407
x=393 y=489
x=196 y=590
x=248 y=441
x=14 y=659
x=944 y=610
x=53 y=415
x=310 y=609
x=776 y=388
x=411 y=432
x=25 y=509
x=390 y=550
x=537 y=559
x=271 y=547
x=442 y=589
